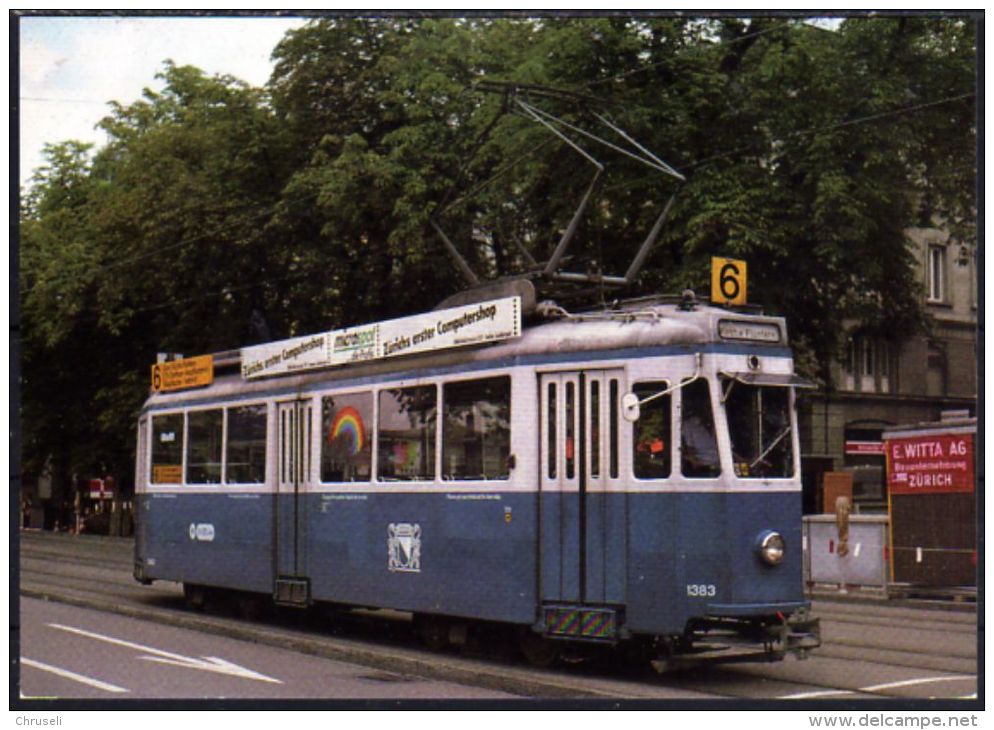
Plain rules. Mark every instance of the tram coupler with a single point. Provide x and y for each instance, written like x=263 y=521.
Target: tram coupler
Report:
x=800 y=633
x=730 y=641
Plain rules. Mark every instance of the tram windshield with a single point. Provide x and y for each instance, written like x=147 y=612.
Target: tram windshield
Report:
x=759 y=425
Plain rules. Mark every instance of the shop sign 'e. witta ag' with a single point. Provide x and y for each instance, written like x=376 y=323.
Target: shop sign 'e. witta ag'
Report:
x=932 y=464
x=489 y=321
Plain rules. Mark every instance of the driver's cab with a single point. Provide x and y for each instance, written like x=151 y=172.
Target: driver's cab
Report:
x=732 y=424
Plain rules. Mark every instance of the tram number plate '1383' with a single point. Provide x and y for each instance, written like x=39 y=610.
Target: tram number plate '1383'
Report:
x=701 y=590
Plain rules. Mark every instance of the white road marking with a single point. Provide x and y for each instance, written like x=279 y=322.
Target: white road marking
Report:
x=72 y=675
x=911 y=682
x=878 y=687
x=820 y=693
x=207 y=664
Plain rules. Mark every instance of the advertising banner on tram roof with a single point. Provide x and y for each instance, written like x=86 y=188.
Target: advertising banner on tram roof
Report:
x=469 y=324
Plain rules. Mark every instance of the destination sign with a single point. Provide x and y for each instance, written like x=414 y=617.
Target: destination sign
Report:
x=760 y=331
x=190 y=372
x=460 y=326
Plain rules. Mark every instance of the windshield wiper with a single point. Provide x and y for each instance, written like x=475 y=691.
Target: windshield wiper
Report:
x=772 y=446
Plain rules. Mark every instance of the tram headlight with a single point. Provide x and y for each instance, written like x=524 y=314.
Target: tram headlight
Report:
x=771 y=547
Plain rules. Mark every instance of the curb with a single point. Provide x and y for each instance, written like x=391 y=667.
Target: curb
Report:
x=881 y=599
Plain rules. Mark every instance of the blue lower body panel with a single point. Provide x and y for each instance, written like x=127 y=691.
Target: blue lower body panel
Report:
x=454 y=554
x=651 y=561
x=223 y=540
x=689 y=552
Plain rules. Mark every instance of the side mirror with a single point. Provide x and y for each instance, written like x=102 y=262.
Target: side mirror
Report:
x=630 y=407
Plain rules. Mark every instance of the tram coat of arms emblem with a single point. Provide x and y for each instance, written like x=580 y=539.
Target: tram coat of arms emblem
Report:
x=403 y=548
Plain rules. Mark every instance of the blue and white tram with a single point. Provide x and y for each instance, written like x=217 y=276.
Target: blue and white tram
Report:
x=628 y=475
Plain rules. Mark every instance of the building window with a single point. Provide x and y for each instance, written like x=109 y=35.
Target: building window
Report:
x=936 y=273
x=935 y=373
x=868 y=367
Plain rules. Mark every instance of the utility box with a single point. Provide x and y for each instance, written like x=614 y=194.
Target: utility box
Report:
x=932 y=500
x=862 y=564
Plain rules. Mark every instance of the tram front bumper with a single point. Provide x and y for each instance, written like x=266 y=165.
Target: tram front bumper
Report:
x=747 y=635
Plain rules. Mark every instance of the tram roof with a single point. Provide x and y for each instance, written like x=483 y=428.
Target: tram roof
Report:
x=624 y=327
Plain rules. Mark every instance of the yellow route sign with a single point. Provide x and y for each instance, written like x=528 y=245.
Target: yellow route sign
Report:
x=169 y=474
x=190 y=372
x=728 y=281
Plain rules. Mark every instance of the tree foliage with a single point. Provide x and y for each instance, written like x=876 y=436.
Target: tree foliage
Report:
x=219 y=215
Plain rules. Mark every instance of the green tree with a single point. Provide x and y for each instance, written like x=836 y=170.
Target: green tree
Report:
x=307 y=205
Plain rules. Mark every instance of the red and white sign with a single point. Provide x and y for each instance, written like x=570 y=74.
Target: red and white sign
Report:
x=931 y=464
x=98 y=490
x=865 y=448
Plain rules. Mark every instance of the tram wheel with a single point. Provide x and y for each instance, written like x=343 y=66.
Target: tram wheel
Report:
x=194 y=596
x=537 y=650
x=252 y=607
x=434 y=632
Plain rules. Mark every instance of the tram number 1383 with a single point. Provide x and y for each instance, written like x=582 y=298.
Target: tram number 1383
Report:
x=701 y=590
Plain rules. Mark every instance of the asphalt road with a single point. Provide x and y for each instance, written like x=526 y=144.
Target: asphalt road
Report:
x=73 y=652
x=149 y=645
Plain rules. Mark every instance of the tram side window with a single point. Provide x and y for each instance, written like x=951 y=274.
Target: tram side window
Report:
x=698 y=444
x=346 y=446
x=406 y=429
x=476 y=429
x=652 y=442
x=246 y=452
x=167 y=449
x=205 y=431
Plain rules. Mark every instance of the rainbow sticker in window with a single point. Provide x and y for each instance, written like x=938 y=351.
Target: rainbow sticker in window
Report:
x=348 y=425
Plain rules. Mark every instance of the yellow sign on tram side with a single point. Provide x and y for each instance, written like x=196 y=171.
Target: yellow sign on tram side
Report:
x=728 y=281
x=190 y=372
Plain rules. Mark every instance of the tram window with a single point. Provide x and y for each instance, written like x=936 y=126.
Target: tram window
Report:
x=476 y=429
x=653 y=444
x=346 y=445
x=167 y=449
x=759 y=426
x=595 y=429
x=246 y=454
x=698 y=444
x=204 y=435
x=551 y=409
x=570 y=450
x=406 y=430
x=613 y=425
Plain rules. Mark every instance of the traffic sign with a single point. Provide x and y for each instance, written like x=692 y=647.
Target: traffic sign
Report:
x=728 y=281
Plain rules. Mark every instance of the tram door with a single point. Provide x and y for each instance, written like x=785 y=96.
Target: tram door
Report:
x=582 y=504
x=294 y=424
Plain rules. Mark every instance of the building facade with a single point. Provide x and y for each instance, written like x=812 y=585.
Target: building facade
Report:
x=880 y=383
